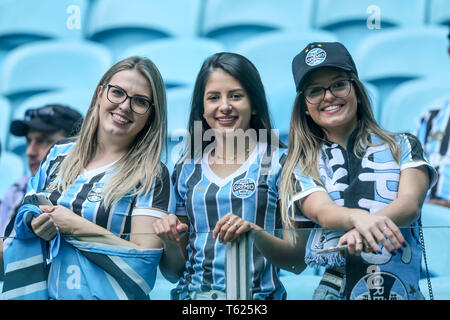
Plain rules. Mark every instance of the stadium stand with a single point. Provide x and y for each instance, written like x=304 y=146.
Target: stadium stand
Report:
x=403 y=108
x=397 y=55
x=141 y=21
x=178 y=59
x=5 y=110
x=11 y=169
x=354 y=20
x=439 y=12
x=50 y=65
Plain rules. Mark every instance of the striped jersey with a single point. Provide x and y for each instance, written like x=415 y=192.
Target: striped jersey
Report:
x=85 y=196
x=103 y=271
x=369 y=183
x=251 y=193
x=434 y=134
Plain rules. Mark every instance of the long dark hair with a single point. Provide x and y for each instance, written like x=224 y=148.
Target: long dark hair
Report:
x=243 y=70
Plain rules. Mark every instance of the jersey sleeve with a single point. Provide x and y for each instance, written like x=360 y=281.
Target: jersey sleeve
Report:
x=413 y=156
x=159 y=201
x=303 y=187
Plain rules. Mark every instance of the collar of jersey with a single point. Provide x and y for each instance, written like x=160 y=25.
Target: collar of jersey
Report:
x=258 y=150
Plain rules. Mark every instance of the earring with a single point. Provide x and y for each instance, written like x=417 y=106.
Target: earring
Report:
x=307 y=113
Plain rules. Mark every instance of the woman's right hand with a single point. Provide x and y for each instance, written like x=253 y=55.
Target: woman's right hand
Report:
x=170 y=228
x=44 y=226
x=378 y=229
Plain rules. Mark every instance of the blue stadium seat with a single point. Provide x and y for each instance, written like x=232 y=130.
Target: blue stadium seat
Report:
x=79 y=99
x=162 y=288
x=178 y=110
x=281 y=102
x=119 y=25
x=300 y=287
x=12 y=168
x=397 y=55
x=233 y=21
x=51 y=65
x=403 y=108
x=436 y=233
x=439 y=12
x=5 y=110
x=374 y=97
x=23 y=21
x=354 y=20
x=272 y=54
x=178 y=59
x=440 y=286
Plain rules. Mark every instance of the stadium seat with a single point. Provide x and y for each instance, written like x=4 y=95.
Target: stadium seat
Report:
x=51 y=65
x=355 y=20
x=374 y=97
x=403 y=108
x=178 y=59
x=439 y=12
x=436 y=233
x=178 y=111
x=5 y=110
x=300 y=287
x=119 y=25
x=440 y=287
x=79 y=99
x=272 y=54
x=281 y=103
x=234 y=21
x=12 y=168
x=23 y=21
x=397 y=55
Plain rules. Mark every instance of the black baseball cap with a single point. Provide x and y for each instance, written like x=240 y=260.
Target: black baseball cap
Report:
x=49 y=118
x=318 y=55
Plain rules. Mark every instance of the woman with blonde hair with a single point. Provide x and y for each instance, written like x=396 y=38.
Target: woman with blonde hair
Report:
x=366 y=183
x=90 y=207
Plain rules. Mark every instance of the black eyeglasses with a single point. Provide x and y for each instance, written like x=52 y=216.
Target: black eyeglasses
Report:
x=138 y=104
x=339 y=89
x=48 y=113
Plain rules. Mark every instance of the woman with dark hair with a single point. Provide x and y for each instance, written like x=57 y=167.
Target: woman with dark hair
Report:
x=226 y=184
x=367 y=182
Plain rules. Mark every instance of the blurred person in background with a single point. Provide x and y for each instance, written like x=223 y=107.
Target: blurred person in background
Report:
x=42 y=127
x=434 y=134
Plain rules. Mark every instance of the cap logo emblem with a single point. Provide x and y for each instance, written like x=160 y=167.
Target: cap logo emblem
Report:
x=315 y=56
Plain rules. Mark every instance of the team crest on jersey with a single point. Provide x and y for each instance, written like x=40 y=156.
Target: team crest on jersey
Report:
x=315 y=56
x=96 y=193
x=380 y=285
x=244 y=188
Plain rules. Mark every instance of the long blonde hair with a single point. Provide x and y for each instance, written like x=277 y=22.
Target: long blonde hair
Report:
x=306 y=139
x=138 y=168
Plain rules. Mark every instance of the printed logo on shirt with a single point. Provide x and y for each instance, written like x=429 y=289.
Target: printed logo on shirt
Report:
x=96 y=193
x=315 y=56
x=380 y=285
x=244 y=188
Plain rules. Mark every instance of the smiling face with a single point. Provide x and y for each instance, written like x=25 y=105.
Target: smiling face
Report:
x=226 y=103
x=336 y=116
x=117 y=122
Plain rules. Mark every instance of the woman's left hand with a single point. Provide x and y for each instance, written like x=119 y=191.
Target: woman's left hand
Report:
x=65 y=219
x=231 y=226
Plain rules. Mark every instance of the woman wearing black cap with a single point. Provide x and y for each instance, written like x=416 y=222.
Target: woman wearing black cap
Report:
x=369 y=182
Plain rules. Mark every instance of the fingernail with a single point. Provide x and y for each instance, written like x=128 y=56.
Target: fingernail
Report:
x=379 y=252
x=404 y=244
x=400 y=250
x=393 y=253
